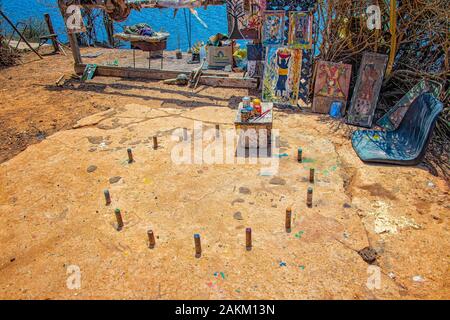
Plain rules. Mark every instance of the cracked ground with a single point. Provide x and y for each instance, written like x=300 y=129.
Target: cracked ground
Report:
x=54 y=214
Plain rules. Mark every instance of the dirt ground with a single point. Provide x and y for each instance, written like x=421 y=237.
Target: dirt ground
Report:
x=62 y=146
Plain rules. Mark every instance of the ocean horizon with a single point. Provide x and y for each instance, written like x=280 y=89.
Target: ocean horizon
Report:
x=160 y=19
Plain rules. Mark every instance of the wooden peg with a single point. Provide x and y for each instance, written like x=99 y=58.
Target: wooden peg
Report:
x=248 y=239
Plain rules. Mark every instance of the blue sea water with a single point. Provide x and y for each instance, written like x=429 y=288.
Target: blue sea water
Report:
x=159 y=19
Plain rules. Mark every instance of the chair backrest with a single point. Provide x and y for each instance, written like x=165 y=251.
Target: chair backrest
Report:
x=419 y=121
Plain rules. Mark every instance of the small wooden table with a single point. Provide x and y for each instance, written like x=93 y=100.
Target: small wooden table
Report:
x=251 y=138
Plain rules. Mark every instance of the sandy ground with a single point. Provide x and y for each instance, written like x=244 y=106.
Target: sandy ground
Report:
x=55 y=220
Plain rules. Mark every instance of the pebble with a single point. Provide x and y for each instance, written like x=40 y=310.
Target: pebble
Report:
x=277 y=181
x=114 y=179
x=244 y=190
x=238 y=216
x=91 y=169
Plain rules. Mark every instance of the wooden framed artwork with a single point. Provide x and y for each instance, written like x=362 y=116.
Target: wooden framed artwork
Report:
x=367 y=89
x=273 y=28
x=244 y=19
x=300 y=29
x=282 y=75
x=332 y=85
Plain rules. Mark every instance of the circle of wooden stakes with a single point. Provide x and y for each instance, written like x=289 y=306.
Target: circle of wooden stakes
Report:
x=197 y=241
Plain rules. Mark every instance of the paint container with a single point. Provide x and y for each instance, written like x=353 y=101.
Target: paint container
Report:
x=257 y=106
x=151 y=239
x=130 y=155
x=288 y=219
x=309 y=197
x=336 y=109
x=119 y=219
x=246 y=102
x=311 y=175
x=248 y=239
x=245 y=115
x=155 y=142
x=198 y=246
x=107 y=197
x=299 y=155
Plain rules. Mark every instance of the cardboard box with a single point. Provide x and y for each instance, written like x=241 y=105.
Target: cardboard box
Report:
x=219 y=56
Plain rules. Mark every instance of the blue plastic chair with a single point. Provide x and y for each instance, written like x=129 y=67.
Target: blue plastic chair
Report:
x=406 y=145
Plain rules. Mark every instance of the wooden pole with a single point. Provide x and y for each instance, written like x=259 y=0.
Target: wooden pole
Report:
x=248 y=239
x=75 y=48
x=20 y=34
x=51 y=30
x=288 y=219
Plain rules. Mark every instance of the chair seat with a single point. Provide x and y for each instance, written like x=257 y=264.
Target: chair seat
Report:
x=406 y=145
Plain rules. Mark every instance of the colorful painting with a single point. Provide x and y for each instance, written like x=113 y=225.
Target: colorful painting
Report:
x=332 y=85
x=367 y=89
x=273 y=28
x=391 y=120
x=300 y=30
x=244 y=19
x=282 y=75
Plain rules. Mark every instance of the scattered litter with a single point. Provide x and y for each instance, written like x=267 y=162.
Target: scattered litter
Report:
x=418 y=279
x=222 y=274
x=302 y=267
x=391 y=275
x=147 y=181
x=283 y=264
x=346 y=235
x=431 y=184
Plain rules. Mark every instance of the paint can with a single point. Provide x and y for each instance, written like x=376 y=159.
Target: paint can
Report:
x=246 y=102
